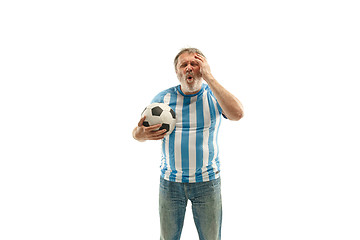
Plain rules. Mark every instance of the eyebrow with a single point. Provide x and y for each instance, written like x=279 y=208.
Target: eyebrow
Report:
x=185 y=62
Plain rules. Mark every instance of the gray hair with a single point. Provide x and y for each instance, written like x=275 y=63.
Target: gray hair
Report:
x=189 y=50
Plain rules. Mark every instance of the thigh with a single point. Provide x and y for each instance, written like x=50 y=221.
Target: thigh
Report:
x=172 y=207
x=207 y=210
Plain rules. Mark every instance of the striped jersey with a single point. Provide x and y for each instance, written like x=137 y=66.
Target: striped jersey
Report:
x=190 y=153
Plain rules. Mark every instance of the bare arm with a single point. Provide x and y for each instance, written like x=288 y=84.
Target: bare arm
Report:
x=231 y=106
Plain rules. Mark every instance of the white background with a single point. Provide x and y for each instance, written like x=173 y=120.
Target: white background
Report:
x=76 y=75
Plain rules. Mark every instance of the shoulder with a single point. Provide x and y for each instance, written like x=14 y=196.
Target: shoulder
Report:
x=160 y=96
x=208 y=91
x=212 y=99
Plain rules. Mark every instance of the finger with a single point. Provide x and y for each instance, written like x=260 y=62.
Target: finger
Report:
x=156 y=138
x=202 y=62
x=161 y=136
x=153 y=127
x=141 y=121
x=159 y=132
x=155 y=135
x=199 y=57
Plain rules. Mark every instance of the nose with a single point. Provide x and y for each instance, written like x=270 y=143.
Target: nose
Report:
x=188 y=68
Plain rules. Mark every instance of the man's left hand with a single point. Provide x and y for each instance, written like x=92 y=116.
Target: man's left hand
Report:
x=204 y=67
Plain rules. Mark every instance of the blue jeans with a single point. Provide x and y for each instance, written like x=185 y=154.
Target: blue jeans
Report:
x=206 y=207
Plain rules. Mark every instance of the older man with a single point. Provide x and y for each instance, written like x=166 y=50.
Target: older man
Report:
x=190 y=166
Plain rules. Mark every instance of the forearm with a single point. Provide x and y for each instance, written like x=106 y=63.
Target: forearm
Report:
x=231 y=106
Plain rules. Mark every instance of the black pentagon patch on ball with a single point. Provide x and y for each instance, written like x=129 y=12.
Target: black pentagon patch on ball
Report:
x=156 y=111
x=165 y=126
x=172 y=113
x=146 y=124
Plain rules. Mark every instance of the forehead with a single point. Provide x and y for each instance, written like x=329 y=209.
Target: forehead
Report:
x=186 y=56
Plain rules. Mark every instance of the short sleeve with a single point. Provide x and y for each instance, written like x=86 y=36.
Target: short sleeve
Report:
x=217 y=103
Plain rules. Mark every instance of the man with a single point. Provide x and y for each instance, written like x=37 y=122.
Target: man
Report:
x=190 y=167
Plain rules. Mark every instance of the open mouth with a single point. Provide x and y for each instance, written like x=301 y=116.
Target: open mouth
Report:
x=189 y=78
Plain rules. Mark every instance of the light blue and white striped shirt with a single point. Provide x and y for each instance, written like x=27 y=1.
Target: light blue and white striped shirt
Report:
x=191 y=153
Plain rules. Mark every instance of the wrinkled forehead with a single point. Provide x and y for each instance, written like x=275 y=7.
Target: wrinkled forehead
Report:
x=186 y=57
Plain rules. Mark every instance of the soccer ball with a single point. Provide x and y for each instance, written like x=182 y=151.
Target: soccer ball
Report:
x=157 y=113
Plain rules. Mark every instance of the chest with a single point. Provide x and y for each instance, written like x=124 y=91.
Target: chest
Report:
x=194 y=113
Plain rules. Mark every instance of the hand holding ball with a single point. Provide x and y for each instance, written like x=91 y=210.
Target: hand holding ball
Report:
x=159 y=113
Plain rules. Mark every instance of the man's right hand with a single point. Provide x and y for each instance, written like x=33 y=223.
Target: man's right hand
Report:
x=142 y=133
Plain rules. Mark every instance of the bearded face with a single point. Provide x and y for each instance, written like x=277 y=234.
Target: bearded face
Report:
x=188 y=73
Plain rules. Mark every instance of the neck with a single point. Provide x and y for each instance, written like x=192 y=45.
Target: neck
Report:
x=188 y=91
